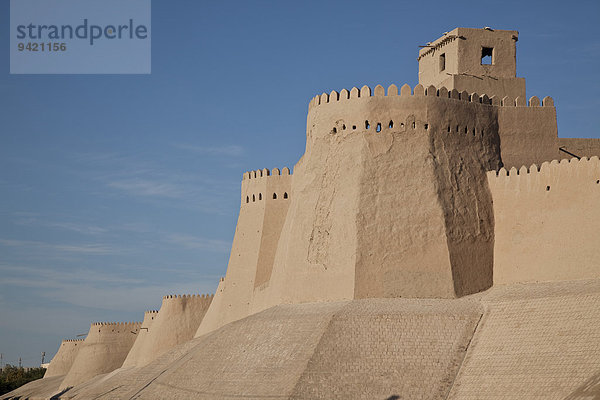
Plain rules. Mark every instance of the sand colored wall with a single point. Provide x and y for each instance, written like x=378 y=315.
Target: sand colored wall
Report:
x=176 y=322
x=257 y=233
x=362 y=222
x=579 y=147
x=63 y=360
x=528 y=131
x=140 y=344
x=104 y=350
x=547 y=221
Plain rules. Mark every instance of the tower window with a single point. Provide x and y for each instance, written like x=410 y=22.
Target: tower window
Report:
x=487 y=54
x=442 y=62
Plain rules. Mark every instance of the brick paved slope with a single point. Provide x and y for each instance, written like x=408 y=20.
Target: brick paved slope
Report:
x=535 y=341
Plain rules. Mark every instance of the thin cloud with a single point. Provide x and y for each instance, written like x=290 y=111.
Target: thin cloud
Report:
x=69 y=226
x=145 y=187
x=231 y=151
x=195 y=242
x=69 y=248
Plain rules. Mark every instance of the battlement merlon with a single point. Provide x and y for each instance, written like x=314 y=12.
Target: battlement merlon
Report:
x=475 y=60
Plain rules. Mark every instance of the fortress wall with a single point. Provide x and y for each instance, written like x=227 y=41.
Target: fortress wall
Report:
x=464 y=145
x=176 y=322
x=402 y=228
x=63 y=360
x=140 y=344
x=277 y=200
x=579 y=147
x=546 y=226
x=528 y=131
x=104 y=350
x=313 y=261
x=256 y=235
x=399 y=244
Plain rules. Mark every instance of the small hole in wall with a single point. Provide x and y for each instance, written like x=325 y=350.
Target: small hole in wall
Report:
x=253 y=198
x=466 y=130
x=391 y=124
x=547 y=188
x=285 y=195
x=482 y=133
x=448 y=128
x=353 y=126
x=378 y=128
x=247 y=199
x=274 y=196
x=473 y=131
x=260 y=196
x=457 y=128
x=344 y=127
x=426 y=126
x=598 y=182
x=367 y=126
x=414 y=125
x=334 y=130
x=401 y=124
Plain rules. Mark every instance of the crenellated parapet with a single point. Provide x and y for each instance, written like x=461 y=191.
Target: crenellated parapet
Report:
x=116 y=324
x=265 y=172
x=543 y=178
x=431 y=91
x=262 y=185
x=73 y=340
x=187 y=296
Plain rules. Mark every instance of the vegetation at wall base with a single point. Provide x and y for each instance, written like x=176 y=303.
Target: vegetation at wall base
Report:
x=12 y=377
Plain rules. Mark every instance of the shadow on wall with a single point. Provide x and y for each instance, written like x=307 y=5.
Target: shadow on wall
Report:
x=57 y=395
x=394 y=397
x=590 y=390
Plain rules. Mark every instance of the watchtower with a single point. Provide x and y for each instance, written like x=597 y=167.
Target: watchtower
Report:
x=475 y=60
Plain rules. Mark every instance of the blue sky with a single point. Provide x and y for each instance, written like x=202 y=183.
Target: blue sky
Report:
x=118 y=189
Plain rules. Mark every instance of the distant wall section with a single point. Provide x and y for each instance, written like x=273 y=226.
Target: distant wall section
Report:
x=176 y=322
x=64 y=358
x=104 y=350
x=140 y=344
